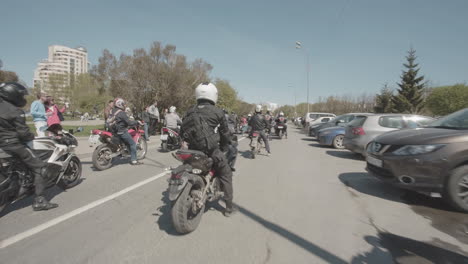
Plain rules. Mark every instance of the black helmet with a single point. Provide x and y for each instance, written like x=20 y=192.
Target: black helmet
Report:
x=14 y=93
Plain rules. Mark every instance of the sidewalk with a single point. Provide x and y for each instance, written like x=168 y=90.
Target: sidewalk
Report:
x=85 y=149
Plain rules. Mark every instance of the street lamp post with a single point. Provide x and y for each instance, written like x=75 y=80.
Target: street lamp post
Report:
x=299 y=46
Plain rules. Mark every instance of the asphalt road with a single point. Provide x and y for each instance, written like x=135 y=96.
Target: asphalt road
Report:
x=303 y=204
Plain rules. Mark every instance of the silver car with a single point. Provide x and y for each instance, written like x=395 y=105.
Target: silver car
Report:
x=364 y=128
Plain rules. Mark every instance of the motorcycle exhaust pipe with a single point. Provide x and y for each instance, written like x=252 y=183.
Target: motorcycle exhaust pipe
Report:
x=406 y=179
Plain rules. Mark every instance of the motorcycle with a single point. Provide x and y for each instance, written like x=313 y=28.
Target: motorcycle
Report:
x=63 y=167
x=112 y=147
x=256 y=143
x=170 y=139
x=280 y=128
x=191 y=186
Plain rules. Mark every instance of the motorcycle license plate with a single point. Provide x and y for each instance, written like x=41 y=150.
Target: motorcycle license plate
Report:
x=280 y=127
x=93 y=139
x=163 y=137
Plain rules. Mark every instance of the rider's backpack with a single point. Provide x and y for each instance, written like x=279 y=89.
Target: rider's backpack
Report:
x=198 y=133
x=111 y=120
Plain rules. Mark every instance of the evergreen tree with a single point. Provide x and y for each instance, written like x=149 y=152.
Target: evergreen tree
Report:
x=383 y=101
x=410 y=96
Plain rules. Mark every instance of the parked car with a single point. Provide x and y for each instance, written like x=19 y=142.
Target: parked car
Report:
x=364 y=128
x=332 y=136
x=341 y=120
x=320 y=120
x=312 y=116
x=429 y=160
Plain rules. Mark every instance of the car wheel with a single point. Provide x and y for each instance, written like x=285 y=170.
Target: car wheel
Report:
x=338 y=142
x=456 y=189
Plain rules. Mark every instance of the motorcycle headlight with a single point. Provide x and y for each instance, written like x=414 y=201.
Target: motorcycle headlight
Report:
x=417 y=149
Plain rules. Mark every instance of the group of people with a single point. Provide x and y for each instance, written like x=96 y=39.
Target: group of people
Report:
x=205 y=128
x=45 y=113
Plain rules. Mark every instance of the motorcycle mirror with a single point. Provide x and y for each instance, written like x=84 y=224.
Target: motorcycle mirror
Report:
x=71 y=131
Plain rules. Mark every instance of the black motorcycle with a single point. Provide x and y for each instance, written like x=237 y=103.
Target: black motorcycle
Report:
x=170 y=139
x=191 y=186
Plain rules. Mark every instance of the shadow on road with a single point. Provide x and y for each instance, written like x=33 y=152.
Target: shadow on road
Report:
x=28 y=201
x=292 y=237
x=317 y=145
x=245 y=154
x=308 y=139
x=344 y=154
x=406 y=250
x=156 y=163
x=441 y=215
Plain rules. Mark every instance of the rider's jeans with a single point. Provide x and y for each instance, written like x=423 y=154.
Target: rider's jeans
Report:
x=127 y=138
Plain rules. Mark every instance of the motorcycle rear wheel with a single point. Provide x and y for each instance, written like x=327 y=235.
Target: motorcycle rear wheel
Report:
x=164 y=146
x=100 y=162
x=183 y=219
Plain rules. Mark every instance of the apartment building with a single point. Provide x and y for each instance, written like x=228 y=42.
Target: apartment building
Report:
x=62 y=60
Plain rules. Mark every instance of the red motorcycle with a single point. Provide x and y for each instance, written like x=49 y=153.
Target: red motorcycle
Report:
x=112 y=147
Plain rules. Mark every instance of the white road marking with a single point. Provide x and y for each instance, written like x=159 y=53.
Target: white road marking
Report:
x=16 y=238
x=28 y=233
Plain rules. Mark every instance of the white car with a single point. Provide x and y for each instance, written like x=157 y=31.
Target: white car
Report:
x=312 y=116
x=320 y=120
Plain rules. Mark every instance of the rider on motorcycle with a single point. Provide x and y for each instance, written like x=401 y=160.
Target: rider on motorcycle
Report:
x=281 y=120
x=172 y=119
x=212 y=119
x=14 y=133
x=258 y=123
x=122 y=123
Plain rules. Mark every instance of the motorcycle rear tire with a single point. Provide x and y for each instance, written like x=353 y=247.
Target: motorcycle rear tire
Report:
x=164 y=147
x=96 y=164
x=182 y=207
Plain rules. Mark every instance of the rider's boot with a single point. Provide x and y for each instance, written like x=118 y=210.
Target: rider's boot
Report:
x=42 y=204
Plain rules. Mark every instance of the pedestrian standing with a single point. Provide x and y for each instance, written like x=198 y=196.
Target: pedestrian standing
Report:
x=55 y=115
x=154 y=117
x=107 y=112
x=38 y=112
x=145 y=117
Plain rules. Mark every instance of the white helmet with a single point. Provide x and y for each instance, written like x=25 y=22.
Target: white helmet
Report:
x=207 y=91
x=281 y=114
x=249 y=115
x=172 y=109
x=258 y=109
x=120 y=103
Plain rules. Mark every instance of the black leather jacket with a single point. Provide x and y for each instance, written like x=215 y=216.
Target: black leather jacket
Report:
x=122 y=121
x=215 y=119
x=259 y=123
x=13 y=128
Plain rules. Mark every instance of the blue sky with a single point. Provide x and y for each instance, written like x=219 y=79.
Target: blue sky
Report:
x=355 y=46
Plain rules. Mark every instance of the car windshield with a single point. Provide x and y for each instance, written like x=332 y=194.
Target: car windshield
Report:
x=457 y=120
x=313 y=116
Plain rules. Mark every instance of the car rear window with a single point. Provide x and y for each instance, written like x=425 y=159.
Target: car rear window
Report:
x=392 y=122
x=358 y=121
x=418 y=121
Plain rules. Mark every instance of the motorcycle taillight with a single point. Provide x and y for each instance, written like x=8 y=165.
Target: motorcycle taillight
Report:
x=255 y=134
x=184 y=156
x=165 y=129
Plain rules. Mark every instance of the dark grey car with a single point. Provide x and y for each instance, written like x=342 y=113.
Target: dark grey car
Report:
x=429 y=160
